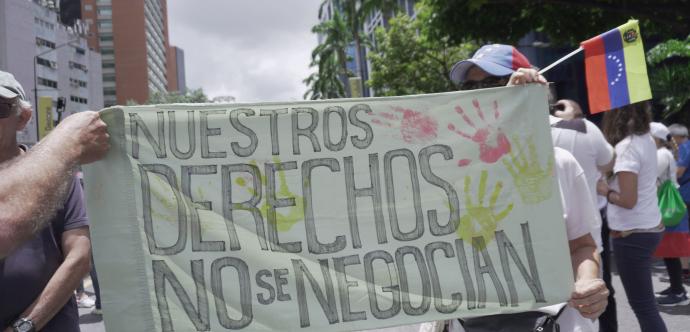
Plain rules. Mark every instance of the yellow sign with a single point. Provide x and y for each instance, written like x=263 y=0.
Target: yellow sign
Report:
x=45 y=116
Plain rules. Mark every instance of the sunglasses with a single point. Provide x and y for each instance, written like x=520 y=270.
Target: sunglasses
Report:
x=489 y=82
x=7 y=108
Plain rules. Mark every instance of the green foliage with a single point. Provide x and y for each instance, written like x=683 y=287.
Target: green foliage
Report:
x=669 y=49
x=565 y=22
x=191 y=97
x=669 y=75
x=406 y=61
x=330 y=58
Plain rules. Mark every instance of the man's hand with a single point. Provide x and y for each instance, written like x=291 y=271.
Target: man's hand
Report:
x=86 y=135
x=590 y=297
x=524 y=76
x=570 y=109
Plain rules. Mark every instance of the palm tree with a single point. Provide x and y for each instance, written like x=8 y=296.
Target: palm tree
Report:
x=344 y=28
x=330 y=57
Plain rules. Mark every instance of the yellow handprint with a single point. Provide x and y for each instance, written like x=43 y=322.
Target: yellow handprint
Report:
x=532 y=182
x=484 y=216
x=284 y=222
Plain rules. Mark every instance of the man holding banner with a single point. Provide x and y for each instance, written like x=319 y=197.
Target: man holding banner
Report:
x=33 y=185
x=505 y=64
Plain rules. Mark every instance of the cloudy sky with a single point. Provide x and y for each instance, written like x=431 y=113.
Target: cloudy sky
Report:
x=254 y=50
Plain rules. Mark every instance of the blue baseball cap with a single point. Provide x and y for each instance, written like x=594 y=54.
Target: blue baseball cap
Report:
x=495 y=59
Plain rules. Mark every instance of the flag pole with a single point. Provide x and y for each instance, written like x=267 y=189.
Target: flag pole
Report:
x=561 y=60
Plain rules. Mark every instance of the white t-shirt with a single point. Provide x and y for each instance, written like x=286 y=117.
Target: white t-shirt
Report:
x=636 y=154
x=578 y=206
x=666 y=166
x=591 y=150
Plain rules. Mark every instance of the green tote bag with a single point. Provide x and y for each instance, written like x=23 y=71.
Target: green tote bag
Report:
x=671 y=204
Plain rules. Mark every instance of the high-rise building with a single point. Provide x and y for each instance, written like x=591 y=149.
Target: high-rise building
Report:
x=176 y=76
x=49 y=59
x=132 y=36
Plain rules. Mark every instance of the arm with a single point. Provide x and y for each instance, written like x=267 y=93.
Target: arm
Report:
x=683 y=160
x=77 y=248
x=590 y=294
x=605 y=155
x=627 y=197
x=680 y=171
x=32 y=186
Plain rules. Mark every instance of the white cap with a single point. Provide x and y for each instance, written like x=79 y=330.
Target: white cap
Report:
x=658 y=130
x=9 y=87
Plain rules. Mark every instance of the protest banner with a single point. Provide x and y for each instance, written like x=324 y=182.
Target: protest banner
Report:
x=333 y=215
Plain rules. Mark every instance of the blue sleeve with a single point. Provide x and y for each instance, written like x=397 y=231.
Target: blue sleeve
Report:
x=683 y=155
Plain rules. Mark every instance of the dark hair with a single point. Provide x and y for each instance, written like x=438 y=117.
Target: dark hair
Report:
x=628 y=120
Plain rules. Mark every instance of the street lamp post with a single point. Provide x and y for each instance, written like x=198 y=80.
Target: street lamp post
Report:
x=36 y=78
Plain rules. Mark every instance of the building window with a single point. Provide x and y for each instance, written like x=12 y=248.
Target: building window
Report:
x=88 y=8
x=103 y=2
x=108 y=65
x=107 y=51
x=79 y=100
x=75 y=83
x=79 y=50
x=44 y=24
x=109 y=77
x=75 y=65
x=105 y=24
x=47 y=63
x=45 y=43
x=105 y=11
x=105 y=38
x=47 y=82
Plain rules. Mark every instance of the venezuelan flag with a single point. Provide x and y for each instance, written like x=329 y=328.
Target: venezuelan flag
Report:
x=615 y=68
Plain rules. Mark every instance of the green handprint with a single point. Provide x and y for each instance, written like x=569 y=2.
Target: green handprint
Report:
x=532 y=182
x=284 y=222
x=484 y=216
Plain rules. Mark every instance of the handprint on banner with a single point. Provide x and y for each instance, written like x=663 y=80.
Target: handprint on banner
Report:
x=284 y=222
x=415 y=127
x=532 y=182
x=480 y=215
x=493 y=143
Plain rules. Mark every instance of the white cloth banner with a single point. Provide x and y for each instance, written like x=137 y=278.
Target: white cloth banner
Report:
x=331 y=215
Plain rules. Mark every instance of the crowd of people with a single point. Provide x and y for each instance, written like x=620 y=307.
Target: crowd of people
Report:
x=608 y=180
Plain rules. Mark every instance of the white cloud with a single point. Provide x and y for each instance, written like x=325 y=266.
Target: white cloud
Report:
x=254 y=50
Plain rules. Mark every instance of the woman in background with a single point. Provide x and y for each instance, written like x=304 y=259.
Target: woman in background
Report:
x=633 y=211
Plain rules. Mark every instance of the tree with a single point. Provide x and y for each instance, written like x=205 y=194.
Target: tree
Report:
x=344 y=30
x=565 y=21
x=406 y=61
x=330 y=57
x=669 y=76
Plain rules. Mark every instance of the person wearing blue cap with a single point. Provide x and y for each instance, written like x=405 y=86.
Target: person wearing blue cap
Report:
x=492 y=66
x=498 y=65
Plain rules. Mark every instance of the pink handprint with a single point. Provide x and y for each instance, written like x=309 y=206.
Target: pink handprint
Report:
x=415 y=127
x=493 y=143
